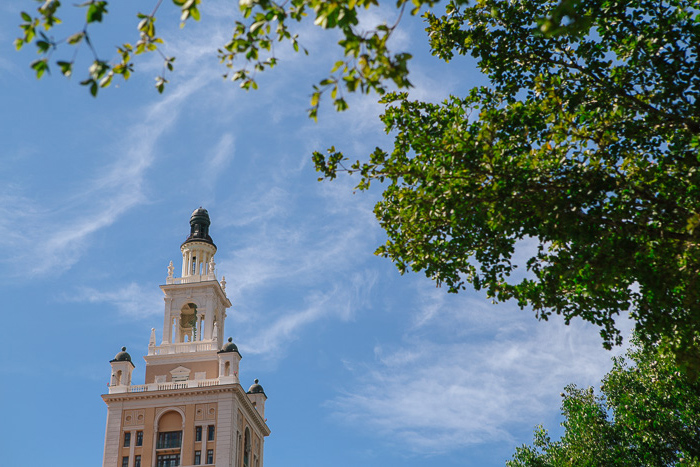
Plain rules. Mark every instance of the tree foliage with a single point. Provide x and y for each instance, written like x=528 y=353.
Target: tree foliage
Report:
x=648 y=414
x=588 y=145
x=366 y=64
x=586 y=142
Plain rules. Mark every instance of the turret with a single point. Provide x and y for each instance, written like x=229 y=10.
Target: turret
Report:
x=121 y=371
x=257 y=396
x=229 y=360
x=198 y=250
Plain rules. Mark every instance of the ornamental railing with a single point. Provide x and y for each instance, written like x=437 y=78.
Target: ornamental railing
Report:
x=174 y=385
x=183 y=347
x=191 y=279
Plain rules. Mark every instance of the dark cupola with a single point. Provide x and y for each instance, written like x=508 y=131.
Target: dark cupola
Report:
x=199 y=227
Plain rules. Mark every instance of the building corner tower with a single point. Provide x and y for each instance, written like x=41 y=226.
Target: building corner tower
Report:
x=191 y=409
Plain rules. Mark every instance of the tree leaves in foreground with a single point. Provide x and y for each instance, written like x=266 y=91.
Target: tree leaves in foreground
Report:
x=648 y=414
x=366 y=63
x=585 y=146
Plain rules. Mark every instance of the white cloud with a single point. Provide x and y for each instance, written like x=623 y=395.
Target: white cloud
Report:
x=341 y=302
x=132 y=300
x=56 y=230
x=222 y=155
x=467 y=375
x=315 y=261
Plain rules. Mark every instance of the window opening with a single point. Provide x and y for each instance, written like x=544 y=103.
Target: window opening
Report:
x=168 y=460
x=246 y=449
x=127 y=439
x=169 y=439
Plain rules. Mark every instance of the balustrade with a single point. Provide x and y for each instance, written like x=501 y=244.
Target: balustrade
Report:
x=198 y=383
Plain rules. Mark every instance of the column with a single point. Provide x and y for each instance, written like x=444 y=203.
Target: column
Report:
x=210 y=316
x=178 y=331
x=167 y=322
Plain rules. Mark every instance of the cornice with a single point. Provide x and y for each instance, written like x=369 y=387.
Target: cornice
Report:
x=252 y=411
x=235 y=388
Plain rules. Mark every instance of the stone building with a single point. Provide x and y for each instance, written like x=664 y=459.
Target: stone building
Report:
x=192 y=409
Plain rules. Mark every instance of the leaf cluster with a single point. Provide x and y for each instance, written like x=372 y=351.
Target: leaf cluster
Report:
x=647 y=413
x=368 y=65
x=586 y=144
x=36 y=29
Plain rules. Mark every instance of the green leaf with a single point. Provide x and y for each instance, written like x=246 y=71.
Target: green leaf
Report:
x=95 y=11
x=66 y=68
x=40 y=66
x=75 y=38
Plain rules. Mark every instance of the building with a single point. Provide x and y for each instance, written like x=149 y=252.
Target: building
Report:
x=192 y=409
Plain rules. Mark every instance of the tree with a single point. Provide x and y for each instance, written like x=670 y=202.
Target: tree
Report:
x=586 y=142
x=648 y=413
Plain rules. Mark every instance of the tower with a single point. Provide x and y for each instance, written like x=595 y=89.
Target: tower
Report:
x=191 y=409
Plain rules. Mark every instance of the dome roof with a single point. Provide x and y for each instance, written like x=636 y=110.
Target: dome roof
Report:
x=229 y=346
x=200 y=212
x=122 y=356
x=256 y=389
x=199 y=227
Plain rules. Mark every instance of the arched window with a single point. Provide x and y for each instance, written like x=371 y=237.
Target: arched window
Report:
x=188 y=323
x=227 y=368
x=169 y=440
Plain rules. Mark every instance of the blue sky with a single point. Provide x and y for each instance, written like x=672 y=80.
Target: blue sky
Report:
x=361 y=365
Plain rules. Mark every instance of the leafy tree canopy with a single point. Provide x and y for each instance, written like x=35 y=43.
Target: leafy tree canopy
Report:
x=586 y=142
x=648 y=413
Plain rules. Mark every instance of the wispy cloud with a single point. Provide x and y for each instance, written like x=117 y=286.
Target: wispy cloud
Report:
x=342 y=302
x=132 y=300
x=220 y=157
x=56 y=230
x=313 y=259
x=466 y=376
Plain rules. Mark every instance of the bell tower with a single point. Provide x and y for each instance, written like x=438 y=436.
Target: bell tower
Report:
x=191 y=409
x=196 y=303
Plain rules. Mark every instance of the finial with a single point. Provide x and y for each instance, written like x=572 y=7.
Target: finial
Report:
x=123 y=349
x=257 y=380
x=223 y=283
x=170 y=269
x=212 y=265
x=230 y=339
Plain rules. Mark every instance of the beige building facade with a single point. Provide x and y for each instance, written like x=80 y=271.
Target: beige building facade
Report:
x=191 y=409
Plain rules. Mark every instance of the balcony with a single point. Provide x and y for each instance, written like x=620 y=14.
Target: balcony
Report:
x=183 y=347
x=191 y=279
x=174 y=385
